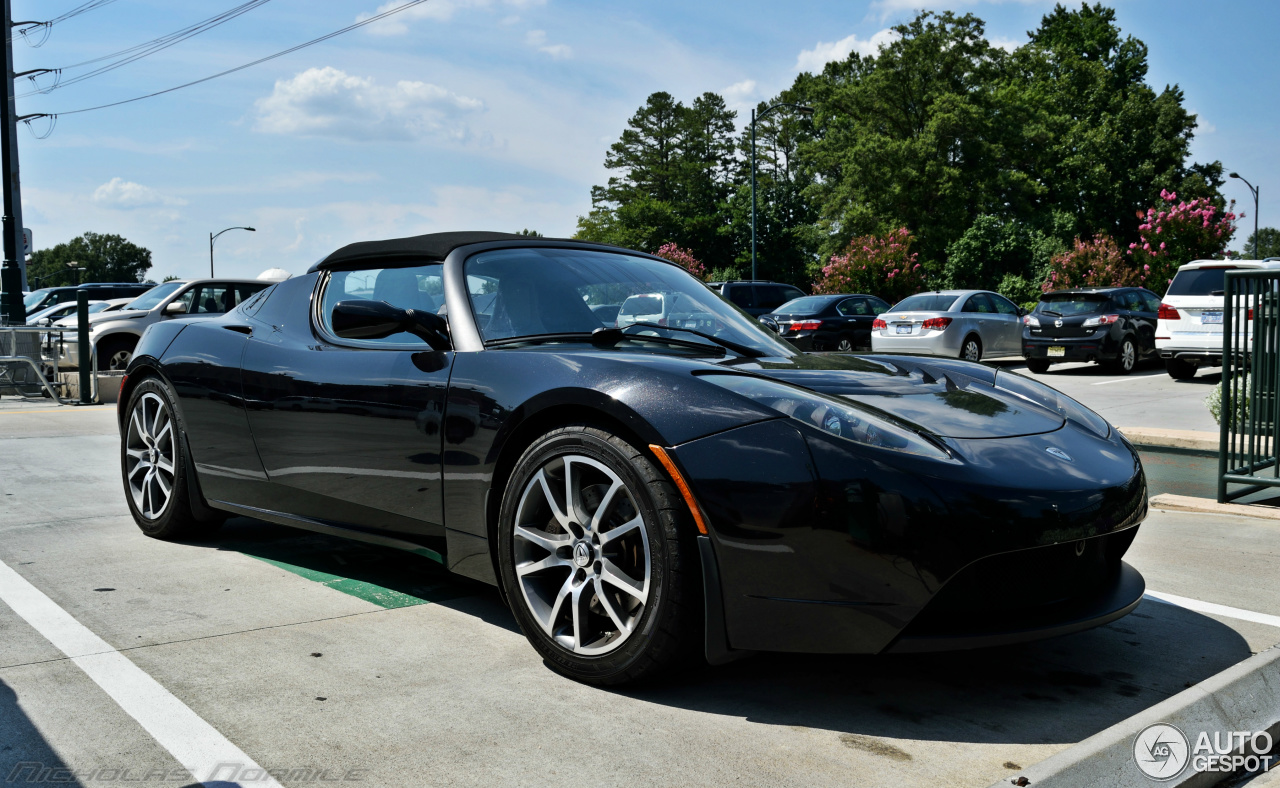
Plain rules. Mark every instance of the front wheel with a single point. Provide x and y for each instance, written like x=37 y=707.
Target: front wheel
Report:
x=115 y=353
x=971 y=350
x=596 y=558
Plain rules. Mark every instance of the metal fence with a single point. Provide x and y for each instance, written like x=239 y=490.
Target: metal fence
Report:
x=1250 y=407
x=29 y=362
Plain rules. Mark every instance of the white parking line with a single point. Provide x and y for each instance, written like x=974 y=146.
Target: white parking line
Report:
x=194 y=743
x=1217 y=610
x=1129 y=378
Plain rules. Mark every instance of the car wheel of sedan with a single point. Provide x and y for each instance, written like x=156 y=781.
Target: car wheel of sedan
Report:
x=1038 y=366
x=1179 y=369
x=971 y=350
x=846 y=344
x=153 y=464
x=595 y=561
x=1126 y=359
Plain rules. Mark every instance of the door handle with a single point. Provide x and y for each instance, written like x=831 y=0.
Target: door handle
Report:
x=246 y=330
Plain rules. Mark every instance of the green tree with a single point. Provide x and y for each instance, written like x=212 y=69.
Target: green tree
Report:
x=100 y=258
x=996 y=254
x=1268 y=247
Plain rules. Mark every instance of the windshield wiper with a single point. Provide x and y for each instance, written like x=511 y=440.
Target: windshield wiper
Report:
x=740 y=349
x=603 y=337
x=1050 y=312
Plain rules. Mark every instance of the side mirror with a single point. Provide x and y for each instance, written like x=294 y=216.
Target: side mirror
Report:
x=1022 y=312
x=363 y=319
x=175 y=308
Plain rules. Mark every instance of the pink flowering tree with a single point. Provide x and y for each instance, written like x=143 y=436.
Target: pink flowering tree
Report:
x=879 y=265
x=1176 y=232
x=683 y=258
x=1096 y=263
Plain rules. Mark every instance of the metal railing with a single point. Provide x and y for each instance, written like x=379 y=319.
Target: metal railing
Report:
x=1250 y=405
x=29 y=362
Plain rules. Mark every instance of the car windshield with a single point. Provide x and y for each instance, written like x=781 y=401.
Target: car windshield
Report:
x=809 y=305
x=925 y=302
x=1066 y=304
x=36 y=296
x=536 y=292
x=152 y=298
x=1200 y=281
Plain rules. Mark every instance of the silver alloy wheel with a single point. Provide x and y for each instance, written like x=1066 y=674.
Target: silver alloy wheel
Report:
x=1128 y=356
x=845 y=345
x=150 y=455
x=119 y=360
x=972 y=350
x=582 y=555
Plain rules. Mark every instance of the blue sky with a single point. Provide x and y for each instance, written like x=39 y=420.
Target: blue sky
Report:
x=487 y=114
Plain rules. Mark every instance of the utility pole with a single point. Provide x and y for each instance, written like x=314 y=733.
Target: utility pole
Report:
x=14 y=274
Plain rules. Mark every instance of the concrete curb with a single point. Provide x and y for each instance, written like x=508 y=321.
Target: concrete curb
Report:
x=1186 y=503
x=1172 y=439
x=1244 y=697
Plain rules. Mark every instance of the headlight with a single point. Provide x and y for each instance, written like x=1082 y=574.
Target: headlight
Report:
x=830 y=414
x=1044 y=396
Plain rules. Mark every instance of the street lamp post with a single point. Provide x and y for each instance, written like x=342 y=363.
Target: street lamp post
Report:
x=803 y=110
x=213 y=237
x=1257 y=242
x=75 y=267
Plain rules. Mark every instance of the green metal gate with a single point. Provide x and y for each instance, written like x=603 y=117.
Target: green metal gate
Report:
x=1250 y=413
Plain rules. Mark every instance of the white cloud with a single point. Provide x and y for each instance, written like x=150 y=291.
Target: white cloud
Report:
x=119 y=193
x=436 y=10
x=327 y=102
x=538 y=40
x=814 y=59
x=1007 y=44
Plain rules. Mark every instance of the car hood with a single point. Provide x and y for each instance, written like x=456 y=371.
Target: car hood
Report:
x=123 y=314
x=951 y=398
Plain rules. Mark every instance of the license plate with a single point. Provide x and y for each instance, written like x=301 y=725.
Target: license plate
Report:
x=691 y=324
x=1057 y=352
x=1210 y=317
x=904 y=329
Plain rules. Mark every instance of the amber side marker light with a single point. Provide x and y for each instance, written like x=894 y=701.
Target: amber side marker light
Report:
x=699 y=519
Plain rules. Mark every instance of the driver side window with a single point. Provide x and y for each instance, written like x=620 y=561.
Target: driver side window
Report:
x=420 y=288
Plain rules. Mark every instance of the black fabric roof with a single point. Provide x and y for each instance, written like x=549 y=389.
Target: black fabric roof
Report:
x=433 y=246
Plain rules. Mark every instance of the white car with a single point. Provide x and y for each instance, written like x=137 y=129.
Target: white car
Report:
x=95 y=308
x=1189 y=329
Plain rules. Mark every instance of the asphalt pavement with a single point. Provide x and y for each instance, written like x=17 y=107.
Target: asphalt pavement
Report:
x=317 y=657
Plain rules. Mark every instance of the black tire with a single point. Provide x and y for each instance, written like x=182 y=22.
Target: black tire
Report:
x=152 y=407
x=1179 y=369
x=114 y=353
x=1038 y=365
x=1126 y=358
x=971 y=348
x=665 y=629
x=845 y=343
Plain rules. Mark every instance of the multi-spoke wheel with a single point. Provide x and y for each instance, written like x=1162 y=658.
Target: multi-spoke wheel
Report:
x=590 y=537
x=153 y=464
x=1126 y=359
x=150 y=450
x=971 y=350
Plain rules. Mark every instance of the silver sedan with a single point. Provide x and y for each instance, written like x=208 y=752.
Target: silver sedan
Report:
x=969 y=324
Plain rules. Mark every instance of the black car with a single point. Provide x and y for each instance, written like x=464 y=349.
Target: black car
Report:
x=98 y=291
x=827 y=322
x=637 y=494
x=1114 y=326
x=756 y=298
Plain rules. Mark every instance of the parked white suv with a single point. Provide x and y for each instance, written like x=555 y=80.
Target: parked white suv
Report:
x=1189 y=329
x=116 y=334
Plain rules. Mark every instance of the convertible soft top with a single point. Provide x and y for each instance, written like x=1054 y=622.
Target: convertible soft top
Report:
x=432 y=246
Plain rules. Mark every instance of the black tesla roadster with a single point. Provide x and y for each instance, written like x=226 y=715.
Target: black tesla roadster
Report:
x=640 y=491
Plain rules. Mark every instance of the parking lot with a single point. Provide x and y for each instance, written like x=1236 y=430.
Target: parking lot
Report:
x=323 y=659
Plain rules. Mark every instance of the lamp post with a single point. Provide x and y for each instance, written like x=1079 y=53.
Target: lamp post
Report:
x=75 y=267
x=1257 y=242
x=214 y=236
x=803 y=110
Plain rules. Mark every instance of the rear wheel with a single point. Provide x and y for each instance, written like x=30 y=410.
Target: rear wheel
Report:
x=1126 y=358
x=845 y=343
x=601 y=577
x=154 y=467
x=971 y=350
x=1179 y=369
x=1038 y=365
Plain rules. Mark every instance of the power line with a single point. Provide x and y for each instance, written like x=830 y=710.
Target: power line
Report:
x=139 y=51
x=47 y=26
x=291 y=50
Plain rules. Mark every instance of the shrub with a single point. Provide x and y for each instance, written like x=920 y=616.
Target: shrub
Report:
x=683 y=258
x=1214 y=402
x=878 y=265
x=1096 y=263
x=1175 y=233
x=727 y=274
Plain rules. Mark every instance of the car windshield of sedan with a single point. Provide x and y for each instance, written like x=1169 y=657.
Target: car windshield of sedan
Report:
x=35 y=297
x=152 y=298
x=809 y=305
x=925 y=302
x=539 y=291
x=1066 y=304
